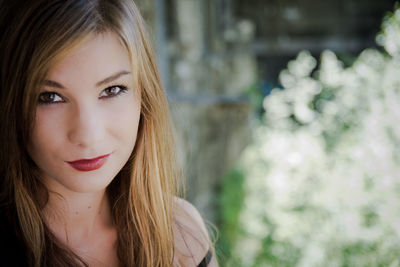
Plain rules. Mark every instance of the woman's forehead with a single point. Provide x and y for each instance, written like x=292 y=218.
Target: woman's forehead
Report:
x=99 y=55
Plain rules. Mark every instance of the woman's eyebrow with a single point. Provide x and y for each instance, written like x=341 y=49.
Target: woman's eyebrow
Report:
x=98 y=84
x=112 y=77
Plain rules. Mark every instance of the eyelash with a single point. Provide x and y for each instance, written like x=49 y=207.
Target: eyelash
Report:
x=122 y=89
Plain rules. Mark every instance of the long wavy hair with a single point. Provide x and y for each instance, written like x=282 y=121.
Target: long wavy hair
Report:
x=34 y=34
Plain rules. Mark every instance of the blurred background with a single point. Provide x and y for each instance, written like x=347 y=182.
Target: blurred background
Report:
x=287 y=118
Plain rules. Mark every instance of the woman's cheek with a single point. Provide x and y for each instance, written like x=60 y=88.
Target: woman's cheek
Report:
x=49 y=126
x=124 y=114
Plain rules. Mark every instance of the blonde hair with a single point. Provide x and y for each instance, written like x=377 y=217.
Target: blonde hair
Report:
x=38 y=33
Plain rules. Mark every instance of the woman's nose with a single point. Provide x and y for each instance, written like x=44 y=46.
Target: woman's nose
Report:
x=86 y=126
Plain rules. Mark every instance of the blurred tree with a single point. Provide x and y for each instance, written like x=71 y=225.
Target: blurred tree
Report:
x=211 y=68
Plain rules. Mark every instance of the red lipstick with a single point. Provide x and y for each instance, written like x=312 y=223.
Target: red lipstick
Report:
x=86 y=165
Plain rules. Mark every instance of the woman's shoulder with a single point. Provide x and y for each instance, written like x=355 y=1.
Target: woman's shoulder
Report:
x=187 y=213
x=192 y=242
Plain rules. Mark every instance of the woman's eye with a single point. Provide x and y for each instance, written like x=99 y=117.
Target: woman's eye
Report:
x=112 y=91
x=49 y=98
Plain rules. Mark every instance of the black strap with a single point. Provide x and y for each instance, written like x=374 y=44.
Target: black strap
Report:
x=206 y=260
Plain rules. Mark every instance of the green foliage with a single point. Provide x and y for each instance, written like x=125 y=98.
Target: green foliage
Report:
x=255 y=96
x=231 y=203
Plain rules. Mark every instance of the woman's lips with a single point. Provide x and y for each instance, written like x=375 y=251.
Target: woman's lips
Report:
x=86 y=165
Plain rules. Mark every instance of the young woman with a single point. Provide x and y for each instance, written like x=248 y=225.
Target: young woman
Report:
x=87 y=167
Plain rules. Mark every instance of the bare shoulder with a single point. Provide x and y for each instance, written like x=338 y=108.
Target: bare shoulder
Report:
x=186 y=213
x=191 y=237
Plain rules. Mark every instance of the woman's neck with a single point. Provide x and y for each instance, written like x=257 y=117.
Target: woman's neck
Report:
x=83 y=222
x=75 y=218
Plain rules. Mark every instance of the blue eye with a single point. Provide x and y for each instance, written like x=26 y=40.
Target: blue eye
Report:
x=49 y=98
x=113 y=91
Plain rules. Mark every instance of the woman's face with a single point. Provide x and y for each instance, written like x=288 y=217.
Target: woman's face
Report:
x=87 y=117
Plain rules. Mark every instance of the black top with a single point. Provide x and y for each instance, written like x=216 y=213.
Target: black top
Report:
x=206 y=260
x=12 y=249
